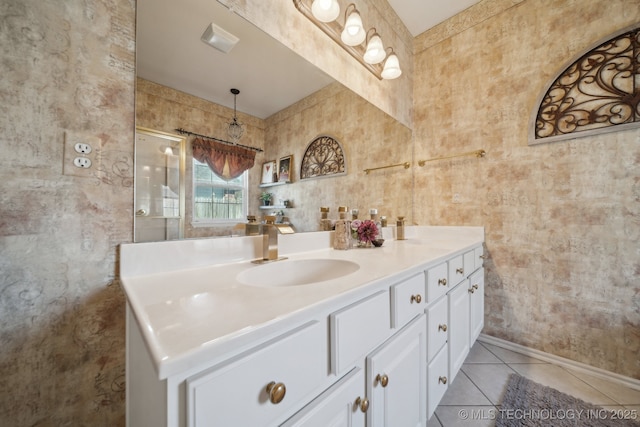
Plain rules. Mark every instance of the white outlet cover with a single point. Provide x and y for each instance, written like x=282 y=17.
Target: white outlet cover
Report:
x=82 y=148
x=82 y=162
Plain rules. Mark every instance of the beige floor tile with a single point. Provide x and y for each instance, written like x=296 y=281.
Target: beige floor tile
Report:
x=560 y=379
x=617 y=392
x=463 y=392
x=491 y=379
x=480 y=354
x=508 y=356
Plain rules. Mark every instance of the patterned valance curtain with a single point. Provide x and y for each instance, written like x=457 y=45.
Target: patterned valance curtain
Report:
x=226 y=161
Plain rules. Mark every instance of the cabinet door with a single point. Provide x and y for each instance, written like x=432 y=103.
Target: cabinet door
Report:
x=396 y=374
x=437 y=380
x=458 y=327
x=476 y=305
x=339 y=406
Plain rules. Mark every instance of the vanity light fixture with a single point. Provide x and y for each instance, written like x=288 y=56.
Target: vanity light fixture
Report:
x=235 y=129
x=391 y=68
x=325 y=10
x=353 y=33
x=364 y=46
x=375 y=52
x=219 y=38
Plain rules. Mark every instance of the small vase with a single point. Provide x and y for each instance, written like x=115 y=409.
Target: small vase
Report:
x=364 y=244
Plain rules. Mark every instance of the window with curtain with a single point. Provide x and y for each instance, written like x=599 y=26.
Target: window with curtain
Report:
x=216 y=200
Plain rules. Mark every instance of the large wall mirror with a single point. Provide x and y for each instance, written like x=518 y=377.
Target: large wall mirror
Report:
x=284 y=104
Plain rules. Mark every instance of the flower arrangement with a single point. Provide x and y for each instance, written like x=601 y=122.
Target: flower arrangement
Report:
x=365 y=231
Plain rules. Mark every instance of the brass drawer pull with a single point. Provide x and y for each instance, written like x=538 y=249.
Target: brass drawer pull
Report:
x=475 y=286
x=416 y=298
x=276 y=392
x=442 y=380
x=363 y=404
x=471 y=290
x=382 y=379
x=442 y=328
x=442 y=282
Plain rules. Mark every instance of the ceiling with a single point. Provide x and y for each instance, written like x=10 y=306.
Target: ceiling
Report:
x=269 y=76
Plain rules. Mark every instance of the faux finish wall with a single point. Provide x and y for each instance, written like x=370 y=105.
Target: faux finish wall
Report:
x=563 y=219
x=67 y=67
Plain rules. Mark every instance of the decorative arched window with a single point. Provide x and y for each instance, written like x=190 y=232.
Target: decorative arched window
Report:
x=598 y=92
x=323 y=157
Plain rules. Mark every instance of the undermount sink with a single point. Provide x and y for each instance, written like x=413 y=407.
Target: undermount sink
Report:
x=297 y=272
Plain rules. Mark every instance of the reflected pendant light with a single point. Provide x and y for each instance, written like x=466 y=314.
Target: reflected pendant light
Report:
x=235 y=129
x=325 y=10
x=353 y=33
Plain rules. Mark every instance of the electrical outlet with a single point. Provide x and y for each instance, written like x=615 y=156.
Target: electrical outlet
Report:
x=81 y=154
x=82 y=148
x=82 y=162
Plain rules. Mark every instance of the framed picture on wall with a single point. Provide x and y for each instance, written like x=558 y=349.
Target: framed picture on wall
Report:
x=269 y=172
x=285 y=168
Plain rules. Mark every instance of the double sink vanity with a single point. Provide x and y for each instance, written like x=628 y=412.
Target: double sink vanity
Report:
x=325 y=337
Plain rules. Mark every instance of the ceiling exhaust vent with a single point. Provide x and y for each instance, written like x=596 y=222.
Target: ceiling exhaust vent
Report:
x=219 y=38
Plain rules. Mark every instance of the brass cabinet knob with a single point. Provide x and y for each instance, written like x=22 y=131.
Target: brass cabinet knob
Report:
x=442 y=380
x=363 y=404
x=481 y=256
x=442 y=282
x=475 y=286
x=460 y=270
x=416 y=298
x=442 y=328
x=471 y=290
x=276 y=392
x=382 y=379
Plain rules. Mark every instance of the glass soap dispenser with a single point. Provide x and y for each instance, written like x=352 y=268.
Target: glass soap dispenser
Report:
x=342 y=234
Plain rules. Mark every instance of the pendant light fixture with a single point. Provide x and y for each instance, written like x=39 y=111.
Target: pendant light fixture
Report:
x=235 y=129
x=325 y=10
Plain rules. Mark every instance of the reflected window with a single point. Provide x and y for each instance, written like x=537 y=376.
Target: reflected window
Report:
x=216 y=200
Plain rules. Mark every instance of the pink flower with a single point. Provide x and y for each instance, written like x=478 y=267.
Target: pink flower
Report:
x=367 y=231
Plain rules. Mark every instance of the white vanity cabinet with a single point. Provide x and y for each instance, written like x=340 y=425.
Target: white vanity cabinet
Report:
x=379 y=354
x=455 y=317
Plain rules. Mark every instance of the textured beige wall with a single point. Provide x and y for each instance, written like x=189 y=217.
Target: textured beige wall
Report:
x=66 y=67
x=283 y=22
x=562 y=219
x=369 y=138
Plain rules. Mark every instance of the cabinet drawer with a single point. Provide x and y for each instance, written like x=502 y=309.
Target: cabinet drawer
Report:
x=357 y=329
x=336 y=406
x=437 y=282
x=235 y=393
x=456 y=270
x=437 y=380
x=407 y=300
x=469 y=262
x=437 y=318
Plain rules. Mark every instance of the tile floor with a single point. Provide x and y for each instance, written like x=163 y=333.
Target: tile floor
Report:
x=479 y=386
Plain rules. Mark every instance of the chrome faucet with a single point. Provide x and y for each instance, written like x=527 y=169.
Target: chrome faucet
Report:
x=270 y=231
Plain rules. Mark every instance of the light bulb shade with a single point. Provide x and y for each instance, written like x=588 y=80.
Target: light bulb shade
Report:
x=391 y=68
x=353 y=33
x=375 y=51
x=235 y=130
x=325 y=10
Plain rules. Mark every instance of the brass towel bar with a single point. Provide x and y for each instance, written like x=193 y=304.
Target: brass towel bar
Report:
x=405 y=164
x=477 y=153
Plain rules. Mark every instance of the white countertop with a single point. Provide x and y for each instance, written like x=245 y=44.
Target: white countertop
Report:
x=190 y=306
